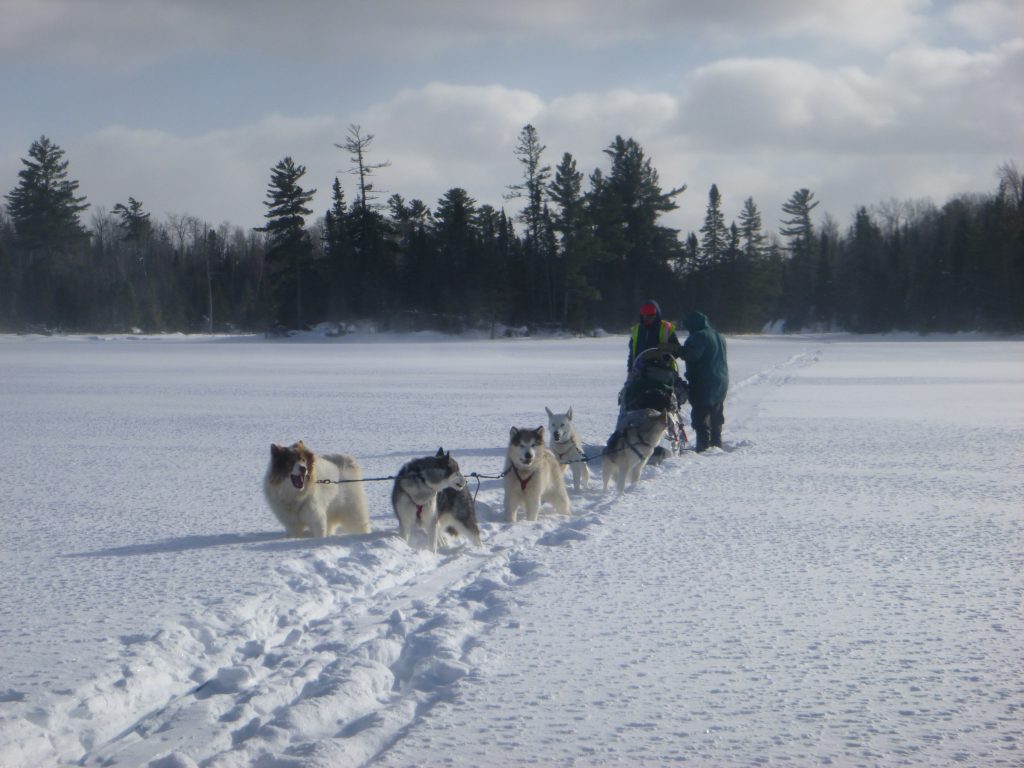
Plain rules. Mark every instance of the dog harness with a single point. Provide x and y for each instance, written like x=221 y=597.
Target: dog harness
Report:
x=523 y=483
x=561 y=455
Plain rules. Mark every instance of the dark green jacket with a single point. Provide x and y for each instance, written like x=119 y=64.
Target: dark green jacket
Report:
x=707 y=370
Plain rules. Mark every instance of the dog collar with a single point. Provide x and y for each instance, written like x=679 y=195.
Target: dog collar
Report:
x=522 y=483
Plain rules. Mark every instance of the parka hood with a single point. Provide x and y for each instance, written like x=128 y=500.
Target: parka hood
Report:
x=695 y=321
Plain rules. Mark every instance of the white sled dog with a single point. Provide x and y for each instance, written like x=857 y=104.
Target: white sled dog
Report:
x=300 y=501
x=568 y=449
x=630 y=446
x=532 y=475
x=414 y=498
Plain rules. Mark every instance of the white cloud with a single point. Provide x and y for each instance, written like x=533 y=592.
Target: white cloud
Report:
x=988 y=20
x=121 y=33
x=926 y=121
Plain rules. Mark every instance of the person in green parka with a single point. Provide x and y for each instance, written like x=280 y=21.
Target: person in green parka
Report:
x=707 y=372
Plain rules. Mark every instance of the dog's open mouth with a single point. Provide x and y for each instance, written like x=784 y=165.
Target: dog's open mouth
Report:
x=299 y=479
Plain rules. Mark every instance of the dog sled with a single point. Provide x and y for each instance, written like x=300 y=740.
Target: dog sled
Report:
x=654 y=383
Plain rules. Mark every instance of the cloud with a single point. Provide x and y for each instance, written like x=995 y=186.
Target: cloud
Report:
x=124 y=33
x=925 y=121
x=988 y=20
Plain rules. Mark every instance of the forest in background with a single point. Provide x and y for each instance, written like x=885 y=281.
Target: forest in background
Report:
x=581 y=251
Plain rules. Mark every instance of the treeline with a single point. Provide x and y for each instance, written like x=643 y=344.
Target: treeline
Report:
x=582 y=252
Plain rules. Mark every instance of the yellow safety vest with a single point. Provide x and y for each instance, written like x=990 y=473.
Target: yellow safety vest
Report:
x=664 y=332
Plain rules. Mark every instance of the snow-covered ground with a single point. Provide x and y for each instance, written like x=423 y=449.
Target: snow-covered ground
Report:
x=842 y=585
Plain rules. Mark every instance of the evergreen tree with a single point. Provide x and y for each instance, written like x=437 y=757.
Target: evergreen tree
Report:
x=572 y=223
x=455 y=228
x=715 y=235
x=751 y=232
x=533 y=188
x=799 y=286
x=136 y=232
x=289 y=247
x=627 y=204
x=134 y=222
x=374 y=260
x=44 y=209
x=43 y=206
x=340 y=267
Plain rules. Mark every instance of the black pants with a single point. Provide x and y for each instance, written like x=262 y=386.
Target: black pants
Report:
x=707 y=424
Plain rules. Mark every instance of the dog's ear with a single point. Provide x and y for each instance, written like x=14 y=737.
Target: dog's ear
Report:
x=440 y=453
x=540 y=434
x=569 y=414
x=513 y=433
x=550 y=414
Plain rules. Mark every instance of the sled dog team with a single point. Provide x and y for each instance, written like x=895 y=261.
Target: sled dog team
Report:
x=322 y=492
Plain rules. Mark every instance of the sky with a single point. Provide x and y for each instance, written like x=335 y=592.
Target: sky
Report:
x=186 y=105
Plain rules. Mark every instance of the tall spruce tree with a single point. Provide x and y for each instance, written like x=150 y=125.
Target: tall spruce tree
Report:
x=49 y=238
x=44 y=206
x=455 y=229
x=533 y=188
x=578 y=245
x=800 y=275
x=374 y=260
x=752 y=231
x=289 y=247
x=715 y=235
x=626 y=205
x=342 y=275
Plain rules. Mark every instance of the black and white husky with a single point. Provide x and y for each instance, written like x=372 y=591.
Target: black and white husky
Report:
x=421 y=499
x=532 y=475
x=630 y=446
x=566 y=446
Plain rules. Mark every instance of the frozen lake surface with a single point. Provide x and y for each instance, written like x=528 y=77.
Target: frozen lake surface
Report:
x=842 y=585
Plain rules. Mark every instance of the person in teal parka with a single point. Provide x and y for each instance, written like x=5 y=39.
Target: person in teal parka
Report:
x=707 y=372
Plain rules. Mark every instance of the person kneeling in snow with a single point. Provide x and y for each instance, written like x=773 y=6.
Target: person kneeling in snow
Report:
x=707 y=372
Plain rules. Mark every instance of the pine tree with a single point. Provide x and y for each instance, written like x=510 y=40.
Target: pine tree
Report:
x=800 y=274
x=44 y=207
x=455 y=228
x=715 y=236
x=342 y=275
x=289 y=247
x=534 y=189
x=751 y=231
x=578 y=245
x=626 y=207
x=374 y=260
x=136 y=232
x=49 y=277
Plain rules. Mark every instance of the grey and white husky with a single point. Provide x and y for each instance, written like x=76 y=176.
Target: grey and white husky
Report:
x=565 y=444
x=532 y=475
x=630 y=446
x=414 y=498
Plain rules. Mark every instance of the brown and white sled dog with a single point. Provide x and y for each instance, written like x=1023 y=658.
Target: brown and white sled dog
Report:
x=568 y=449
x=414 y=498
x=630 y=446
x=532 y=475
x=300 y=501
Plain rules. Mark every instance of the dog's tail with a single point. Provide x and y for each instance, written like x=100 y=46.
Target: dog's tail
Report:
x=609 y=446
